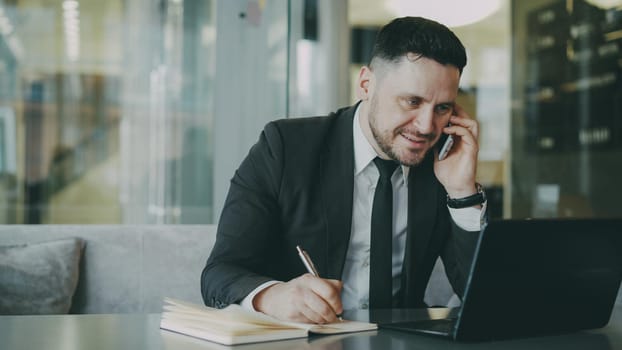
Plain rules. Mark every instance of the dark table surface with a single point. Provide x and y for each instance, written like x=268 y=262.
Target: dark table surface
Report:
x=141 y=331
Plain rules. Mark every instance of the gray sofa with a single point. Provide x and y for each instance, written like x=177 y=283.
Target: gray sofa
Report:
x=130 y=269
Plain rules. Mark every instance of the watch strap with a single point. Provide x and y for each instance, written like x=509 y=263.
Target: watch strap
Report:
x=475 y=199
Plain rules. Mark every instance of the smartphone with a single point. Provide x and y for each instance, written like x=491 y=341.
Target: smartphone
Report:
x=447 y=141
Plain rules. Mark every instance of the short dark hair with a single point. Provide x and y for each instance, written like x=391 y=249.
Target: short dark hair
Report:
x=422 y=37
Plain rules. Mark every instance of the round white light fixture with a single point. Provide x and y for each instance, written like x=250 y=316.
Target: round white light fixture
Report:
x=605 y=4
x=452 y=13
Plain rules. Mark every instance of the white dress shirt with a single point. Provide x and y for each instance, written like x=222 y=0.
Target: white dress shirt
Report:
x=355 y=293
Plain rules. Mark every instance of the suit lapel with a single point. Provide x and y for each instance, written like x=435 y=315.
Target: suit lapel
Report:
x=337 y=183
x=422 y=212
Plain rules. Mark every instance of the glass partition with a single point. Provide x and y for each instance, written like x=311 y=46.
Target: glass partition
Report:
x=140 y=111
x=567 y=108
x=121 y=111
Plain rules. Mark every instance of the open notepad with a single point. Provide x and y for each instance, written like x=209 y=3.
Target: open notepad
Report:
x=236 y=325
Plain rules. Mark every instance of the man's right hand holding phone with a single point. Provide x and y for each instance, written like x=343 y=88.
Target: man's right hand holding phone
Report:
x=456 y=171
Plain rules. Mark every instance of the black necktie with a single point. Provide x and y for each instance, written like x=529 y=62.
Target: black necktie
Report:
x=380 y=276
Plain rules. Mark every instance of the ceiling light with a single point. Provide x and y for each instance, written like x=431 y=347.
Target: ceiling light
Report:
x=71 y=17
x=70 y=5
x=605 y=4
x=452 y=13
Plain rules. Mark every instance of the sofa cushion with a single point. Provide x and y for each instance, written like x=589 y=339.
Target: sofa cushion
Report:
x=39 y=278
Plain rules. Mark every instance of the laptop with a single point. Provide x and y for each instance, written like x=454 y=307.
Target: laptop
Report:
x=533 y=278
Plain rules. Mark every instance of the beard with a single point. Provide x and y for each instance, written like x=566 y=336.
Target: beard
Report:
x=384 y=139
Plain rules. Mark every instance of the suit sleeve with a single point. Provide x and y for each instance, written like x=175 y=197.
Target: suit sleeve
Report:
x=249 y=226
x=459 y=249
x=458 y=255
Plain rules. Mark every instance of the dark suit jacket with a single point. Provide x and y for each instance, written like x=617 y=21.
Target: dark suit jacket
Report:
x=295 y=188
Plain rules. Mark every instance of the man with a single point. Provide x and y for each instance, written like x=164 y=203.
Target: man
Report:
x=313 y=182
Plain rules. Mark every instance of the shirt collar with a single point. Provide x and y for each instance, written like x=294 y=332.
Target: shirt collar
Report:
x=364 y=153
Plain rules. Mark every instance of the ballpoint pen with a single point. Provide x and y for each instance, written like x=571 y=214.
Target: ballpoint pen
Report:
x=306 y=260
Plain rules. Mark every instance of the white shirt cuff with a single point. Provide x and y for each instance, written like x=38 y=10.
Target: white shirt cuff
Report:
x=247 y=302
x=469 y=219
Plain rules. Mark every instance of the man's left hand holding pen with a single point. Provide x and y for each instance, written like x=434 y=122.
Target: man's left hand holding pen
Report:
x=308 y=298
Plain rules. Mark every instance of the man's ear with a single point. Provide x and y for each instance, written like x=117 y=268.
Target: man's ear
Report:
x=364 y=83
